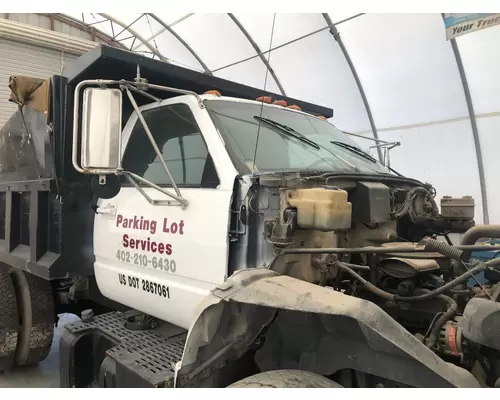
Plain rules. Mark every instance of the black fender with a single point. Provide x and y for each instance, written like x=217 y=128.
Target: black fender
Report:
x=308 y=327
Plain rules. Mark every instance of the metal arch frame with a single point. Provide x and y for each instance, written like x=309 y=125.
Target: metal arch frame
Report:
x=137 y=35
x=258 y=51
x=475 y=131
x=336 y=35
x=182 y=41
x=95 y=33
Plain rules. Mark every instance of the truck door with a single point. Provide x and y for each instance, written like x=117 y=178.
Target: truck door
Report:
x=163 y=259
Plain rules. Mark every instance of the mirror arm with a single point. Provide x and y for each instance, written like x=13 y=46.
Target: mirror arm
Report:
x=131 y=177
x=153 y=143
x=76 y=123
x=142 y=92
x=180 y=91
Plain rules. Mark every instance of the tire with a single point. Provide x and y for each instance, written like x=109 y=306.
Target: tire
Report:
x=36 y=309
x=9 y=321
x=285 y=378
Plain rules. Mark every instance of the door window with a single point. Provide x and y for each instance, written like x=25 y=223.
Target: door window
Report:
x=182 y=146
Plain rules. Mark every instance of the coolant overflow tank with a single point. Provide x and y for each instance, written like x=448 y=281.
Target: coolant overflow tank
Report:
x=323 y=209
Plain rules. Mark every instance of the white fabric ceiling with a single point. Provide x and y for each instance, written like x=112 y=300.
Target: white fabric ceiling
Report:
x=406 y=67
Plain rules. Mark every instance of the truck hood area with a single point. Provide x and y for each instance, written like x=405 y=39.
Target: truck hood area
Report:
x=356 y=330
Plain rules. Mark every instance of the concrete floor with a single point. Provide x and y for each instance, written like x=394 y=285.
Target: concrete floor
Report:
x=43 y=375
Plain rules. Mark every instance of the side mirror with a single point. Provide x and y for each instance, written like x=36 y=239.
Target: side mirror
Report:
x=101 y=130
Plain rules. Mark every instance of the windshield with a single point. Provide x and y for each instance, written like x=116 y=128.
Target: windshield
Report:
x=287 y=141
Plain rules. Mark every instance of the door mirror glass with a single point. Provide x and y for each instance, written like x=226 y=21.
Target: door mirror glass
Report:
x=101 y=129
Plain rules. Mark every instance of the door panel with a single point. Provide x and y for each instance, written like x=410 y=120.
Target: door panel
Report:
x=158 y=259
x=183 y=250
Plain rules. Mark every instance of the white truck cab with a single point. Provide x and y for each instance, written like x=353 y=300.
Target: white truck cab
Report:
x=164 y=259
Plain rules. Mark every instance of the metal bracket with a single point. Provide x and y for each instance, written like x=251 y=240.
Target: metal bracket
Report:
x=139 y=86
x=132 y=178
x=384 y=145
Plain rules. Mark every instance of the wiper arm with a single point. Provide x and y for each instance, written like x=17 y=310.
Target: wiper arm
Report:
x=355 y=150
x=288 y=131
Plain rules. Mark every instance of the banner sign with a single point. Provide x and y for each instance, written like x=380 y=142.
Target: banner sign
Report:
x=461 y=24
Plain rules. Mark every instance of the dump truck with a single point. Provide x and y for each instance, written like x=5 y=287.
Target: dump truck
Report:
x=211 y=234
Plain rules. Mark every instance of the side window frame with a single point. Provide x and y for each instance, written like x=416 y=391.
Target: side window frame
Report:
x=214 y=185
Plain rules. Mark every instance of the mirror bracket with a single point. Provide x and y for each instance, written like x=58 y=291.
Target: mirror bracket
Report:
x=176 y=200
x=140 y=86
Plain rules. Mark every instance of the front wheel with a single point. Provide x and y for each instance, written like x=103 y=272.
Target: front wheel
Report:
x=285 y=378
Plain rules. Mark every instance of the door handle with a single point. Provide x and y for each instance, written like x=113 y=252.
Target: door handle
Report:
x=107 y=210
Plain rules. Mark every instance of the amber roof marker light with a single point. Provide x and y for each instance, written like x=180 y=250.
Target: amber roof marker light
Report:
x=213 y=92
x=264 y=99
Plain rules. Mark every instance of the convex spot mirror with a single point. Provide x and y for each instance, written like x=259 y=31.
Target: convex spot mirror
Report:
x=105 y=186
x=101 y=130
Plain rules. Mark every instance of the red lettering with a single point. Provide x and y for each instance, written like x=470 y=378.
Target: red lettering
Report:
x=119 y=219
x=168 y=249
x=146 y=245
x=174 y=227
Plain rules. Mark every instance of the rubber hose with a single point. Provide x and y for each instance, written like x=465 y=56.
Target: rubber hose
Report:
x=447 y=316
x=442 y=248
x=430 y=295
x=409 y=198
x=409 y=201
x=443 y=289
x=368 y=285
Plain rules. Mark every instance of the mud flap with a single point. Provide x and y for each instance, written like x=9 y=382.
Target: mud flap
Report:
x=324 y=329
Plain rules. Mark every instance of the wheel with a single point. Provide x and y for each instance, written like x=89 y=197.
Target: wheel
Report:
x=9 y=321
x=36 y=309
x=285 y=378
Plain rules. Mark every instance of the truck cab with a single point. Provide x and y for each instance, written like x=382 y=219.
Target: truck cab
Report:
x=164 y=256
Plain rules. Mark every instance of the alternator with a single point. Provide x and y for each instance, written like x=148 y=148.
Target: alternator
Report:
x=450 y=338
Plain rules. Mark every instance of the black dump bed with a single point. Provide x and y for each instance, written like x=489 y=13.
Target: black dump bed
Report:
x=46 y=207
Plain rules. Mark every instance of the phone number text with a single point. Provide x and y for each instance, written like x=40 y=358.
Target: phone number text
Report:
x=142 y=260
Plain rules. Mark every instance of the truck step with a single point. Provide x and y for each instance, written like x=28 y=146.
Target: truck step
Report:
x=130 y=358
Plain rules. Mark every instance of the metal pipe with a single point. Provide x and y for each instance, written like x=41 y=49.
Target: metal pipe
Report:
x=475 y=131
x=381 y=250
x=259 y=52
x=175 y=90
x=153 y=142
x=336 y=35
x=145 y=94
x=480 y=231
x=182 y=41
x=137 y=35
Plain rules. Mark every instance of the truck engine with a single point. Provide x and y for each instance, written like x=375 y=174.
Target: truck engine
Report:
x=384 y=240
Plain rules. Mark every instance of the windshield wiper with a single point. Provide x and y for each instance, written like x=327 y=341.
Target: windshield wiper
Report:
x=288 y=131
x=355 y=150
